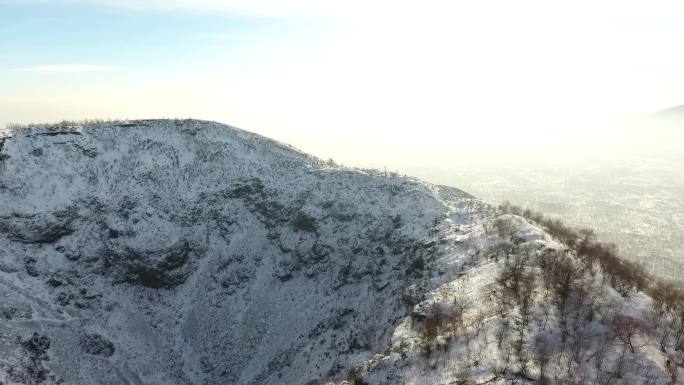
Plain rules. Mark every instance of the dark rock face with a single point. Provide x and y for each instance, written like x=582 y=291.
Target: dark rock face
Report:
x=72 y=255
x=166 y=268
x=3 y=156
x=33 y=371
x=303 y=222
x=64 y=299
x=30 y=266
x=39 y=228
x=37 y=346
x=97 y=345
x=10 y=312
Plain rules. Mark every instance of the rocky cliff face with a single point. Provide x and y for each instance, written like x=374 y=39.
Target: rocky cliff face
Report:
x=189 y=252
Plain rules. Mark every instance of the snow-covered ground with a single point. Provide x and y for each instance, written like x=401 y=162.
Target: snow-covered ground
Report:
x=190 y=252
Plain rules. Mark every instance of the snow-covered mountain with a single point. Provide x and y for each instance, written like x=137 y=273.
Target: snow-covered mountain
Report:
x=190 y=252
x=673 y=113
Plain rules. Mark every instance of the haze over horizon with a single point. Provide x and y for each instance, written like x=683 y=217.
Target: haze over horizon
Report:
x=364 y=83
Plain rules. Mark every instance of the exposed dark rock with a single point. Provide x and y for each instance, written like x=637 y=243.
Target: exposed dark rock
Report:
x=96 y=344
x=166 y=268
x=30 y=266
x=72 y=255
x=89 y=152
x=33 y=371
x=89 y=295
x=56 y=133
x=10 y=312
x=320 y=250
x=37 y=346
x=126 y=207
x=247 y=190
x=2 y=144
x=64 y=299
x=253 y=193
x=42 y=228
x=55 y=282
x=304 y=222
x=236 y=277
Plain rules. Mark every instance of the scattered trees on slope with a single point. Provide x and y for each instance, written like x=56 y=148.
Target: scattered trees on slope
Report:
x=588 y=327
x=623 y=275
x=554 y=318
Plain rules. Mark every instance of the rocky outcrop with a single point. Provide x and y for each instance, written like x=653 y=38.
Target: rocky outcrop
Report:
x=97 y=345
x=157 y=268
x=202 y=254
x=38 y=228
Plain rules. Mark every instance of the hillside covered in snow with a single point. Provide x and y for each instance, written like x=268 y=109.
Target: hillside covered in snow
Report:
x=190 y=252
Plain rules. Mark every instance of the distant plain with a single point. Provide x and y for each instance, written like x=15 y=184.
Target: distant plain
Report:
x=634 y=199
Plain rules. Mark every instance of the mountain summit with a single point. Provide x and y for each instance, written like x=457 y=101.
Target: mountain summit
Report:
x=190 y=252
x=676 y=113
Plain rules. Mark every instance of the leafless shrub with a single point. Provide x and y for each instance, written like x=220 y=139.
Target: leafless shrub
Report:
x=442 y=318
x=512 y=273
x=504 y=227
x=624 y=275
x=355 y=376
x=673 y=372
x=542 y=351
x=501 y=249
x=626 y=328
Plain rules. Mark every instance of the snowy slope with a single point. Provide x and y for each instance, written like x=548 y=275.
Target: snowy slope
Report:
x=204 y=254
x=190 y=252
x=675 y=113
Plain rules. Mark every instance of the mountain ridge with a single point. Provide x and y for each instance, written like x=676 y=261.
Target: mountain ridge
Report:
x=676 y=112
x=190 y=252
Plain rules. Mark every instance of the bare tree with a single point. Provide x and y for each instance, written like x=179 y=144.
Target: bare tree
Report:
x=504 y=227
x=502 y=332
x=579 y=345
x=620 y=364
x=626 y=328
x=542 y=353
x=673 y=371
x=564 y=279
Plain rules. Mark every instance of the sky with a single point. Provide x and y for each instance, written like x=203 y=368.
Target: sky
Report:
x=370 y=83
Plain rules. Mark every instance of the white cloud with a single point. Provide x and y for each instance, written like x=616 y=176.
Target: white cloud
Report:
x=70 y=68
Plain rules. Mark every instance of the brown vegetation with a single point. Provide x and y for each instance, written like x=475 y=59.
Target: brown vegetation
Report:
x=624 y=275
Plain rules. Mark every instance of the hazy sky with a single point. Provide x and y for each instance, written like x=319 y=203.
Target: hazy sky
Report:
x=366 y=82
